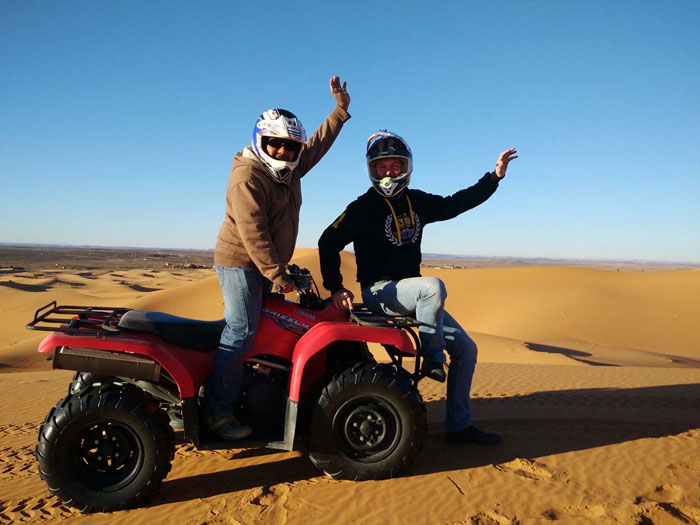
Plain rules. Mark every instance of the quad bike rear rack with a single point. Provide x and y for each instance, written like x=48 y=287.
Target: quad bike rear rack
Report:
x=99 y=321
x=83 y=320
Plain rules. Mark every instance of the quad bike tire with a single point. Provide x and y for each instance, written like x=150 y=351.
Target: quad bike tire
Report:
x=369 y=422
x=83 y=380
x=106 y=448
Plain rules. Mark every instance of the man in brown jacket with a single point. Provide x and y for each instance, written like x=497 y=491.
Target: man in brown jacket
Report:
x=257 y=239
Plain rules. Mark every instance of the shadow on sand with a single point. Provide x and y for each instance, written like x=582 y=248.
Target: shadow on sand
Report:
x=555 y=422
x=533 y=425
x=26 y=287
x=576 y=355
x=139 y=288
x=248 y=477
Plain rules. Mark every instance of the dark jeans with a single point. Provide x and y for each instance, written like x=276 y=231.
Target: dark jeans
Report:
x=243 y=289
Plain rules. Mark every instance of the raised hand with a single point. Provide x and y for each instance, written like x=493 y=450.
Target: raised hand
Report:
x=503 y=160
x=339 y=92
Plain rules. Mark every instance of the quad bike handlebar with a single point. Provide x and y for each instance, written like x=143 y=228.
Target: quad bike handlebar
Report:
x=306 y=288
x=301 y=276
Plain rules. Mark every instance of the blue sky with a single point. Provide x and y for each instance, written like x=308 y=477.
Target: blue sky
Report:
x=120 y=119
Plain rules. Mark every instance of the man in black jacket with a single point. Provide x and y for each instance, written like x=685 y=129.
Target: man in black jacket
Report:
x=386 y=226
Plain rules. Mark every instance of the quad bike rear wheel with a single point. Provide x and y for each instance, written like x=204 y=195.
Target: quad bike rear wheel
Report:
x=368 y=423
x=83 y=380
x=105 y=448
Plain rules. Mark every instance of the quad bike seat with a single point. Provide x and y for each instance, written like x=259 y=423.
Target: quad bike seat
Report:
x=199 y=335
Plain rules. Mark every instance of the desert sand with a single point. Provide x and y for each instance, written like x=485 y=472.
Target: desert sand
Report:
x=591 y=376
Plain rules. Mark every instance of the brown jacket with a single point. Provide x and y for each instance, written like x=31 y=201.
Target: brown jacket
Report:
x=262 y=216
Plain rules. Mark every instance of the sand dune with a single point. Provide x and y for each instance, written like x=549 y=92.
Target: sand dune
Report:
x=591 y=376
x=658 y=312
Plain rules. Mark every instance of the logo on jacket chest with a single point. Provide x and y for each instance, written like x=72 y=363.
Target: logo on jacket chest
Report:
x=408 y=230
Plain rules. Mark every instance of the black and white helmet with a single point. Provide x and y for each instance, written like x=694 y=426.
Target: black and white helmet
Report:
x=280 y=124
x=383 y=145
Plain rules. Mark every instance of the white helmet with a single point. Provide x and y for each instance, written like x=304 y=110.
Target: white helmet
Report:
x=280 y=124
x=385 y=144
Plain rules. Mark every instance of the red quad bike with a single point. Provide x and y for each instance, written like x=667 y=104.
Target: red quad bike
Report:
x=109 y=443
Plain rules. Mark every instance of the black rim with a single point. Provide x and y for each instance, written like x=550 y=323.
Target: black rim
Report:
x=367 y=429
x=106 y=456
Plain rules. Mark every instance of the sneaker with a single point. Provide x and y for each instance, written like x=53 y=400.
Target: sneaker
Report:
x=435 y=370
x=176 y=420
x=227 y=427
x=471 y=434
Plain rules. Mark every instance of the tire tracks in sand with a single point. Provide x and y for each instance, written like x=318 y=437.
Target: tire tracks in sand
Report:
x=33 y=510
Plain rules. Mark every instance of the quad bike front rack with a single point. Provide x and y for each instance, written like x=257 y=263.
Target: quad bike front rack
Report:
x=361 y=315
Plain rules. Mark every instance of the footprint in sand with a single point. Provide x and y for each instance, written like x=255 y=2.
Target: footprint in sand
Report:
x=530 y=469
x=266 y=495
x=219 y=512
x=663 y=493
x=491 y=518
x=188 y=450
x=575 y=511
x=652 y=512
x=33 y=510
x=693 y=464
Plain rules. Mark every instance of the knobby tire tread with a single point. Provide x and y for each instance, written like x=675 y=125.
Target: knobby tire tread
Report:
x=338 y=466
x=113 y=396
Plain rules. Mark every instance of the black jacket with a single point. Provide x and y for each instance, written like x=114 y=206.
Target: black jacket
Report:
x=387 y=243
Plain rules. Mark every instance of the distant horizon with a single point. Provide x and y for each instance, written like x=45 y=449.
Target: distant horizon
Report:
x=426 y=255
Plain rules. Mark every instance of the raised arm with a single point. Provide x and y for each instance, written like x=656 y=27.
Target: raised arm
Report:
x=445 y=208
x=322 y=140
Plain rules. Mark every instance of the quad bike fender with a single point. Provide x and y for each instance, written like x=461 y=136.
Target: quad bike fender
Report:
x=130 y=356
x=324 y=333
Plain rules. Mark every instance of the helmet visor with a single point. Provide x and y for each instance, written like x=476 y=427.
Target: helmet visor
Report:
x=281 y=149
x=382 y=145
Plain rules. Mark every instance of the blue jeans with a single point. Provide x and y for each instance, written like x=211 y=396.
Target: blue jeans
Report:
x=243 y=289
x=424 y=298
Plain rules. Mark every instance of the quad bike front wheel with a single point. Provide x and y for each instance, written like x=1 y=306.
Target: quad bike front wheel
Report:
x=105 y=448
x=368 y=423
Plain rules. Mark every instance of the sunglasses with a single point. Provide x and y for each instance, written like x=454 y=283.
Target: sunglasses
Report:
x=289 y=145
